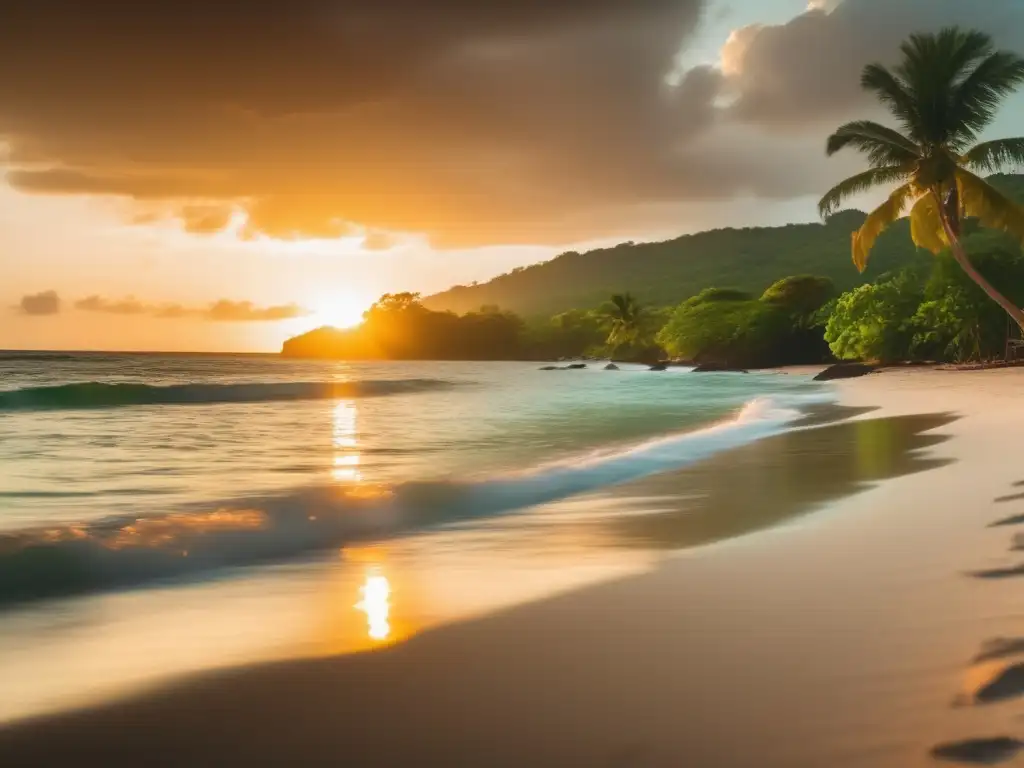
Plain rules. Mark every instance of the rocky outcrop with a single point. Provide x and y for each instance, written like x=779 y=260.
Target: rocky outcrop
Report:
x=845 y=371
x=573 y=367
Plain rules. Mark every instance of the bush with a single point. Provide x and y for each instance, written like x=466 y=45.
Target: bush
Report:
x=802 y=296
x=957 y=321
x=874 y=322
x=709 y=295
x=740 y=334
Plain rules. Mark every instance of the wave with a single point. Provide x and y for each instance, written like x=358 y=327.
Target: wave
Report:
x=118 y=552
x=113 y=395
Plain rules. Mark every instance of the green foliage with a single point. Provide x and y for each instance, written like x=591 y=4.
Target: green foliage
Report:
x=942 y=316
x=667 y=273
x=709 y=295
x=957 y=321
x=730 y=332
x=802 y=296
x=943 y=93
x=875 y=322
x=574 y=333
x=624 y=317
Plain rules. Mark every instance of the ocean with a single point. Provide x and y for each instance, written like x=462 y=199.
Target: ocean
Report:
x=166 y=514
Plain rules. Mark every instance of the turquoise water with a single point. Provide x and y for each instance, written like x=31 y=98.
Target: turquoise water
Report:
x=164 y=514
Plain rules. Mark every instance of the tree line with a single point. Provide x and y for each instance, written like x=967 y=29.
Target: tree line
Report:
x=934 y=312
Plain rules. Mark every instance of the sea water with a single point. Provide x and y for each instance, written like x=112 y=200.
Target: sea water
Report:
x=164 y=514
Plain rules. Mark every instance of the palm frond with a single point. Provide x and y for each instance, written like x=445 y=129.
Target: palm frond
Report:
x=863 y=240
x=982 y=201
x=892 y=92
x=974 y=102
x=933 y=65
x=884 y=146
x=862 y=182
x=926 y=225
x=993 y=156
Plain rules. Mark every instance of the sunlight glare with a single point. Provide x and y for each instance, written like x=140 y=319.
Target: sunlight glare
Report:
x=346 y=445
x=340 y=312
x=376 y=604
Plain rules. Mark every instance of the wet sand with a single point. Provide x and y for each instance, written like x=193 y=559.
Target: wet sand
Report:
x=860 y=630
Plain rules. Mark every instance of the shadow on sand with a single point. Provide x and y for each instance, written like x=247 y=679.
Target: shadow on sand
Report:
x=778 y=478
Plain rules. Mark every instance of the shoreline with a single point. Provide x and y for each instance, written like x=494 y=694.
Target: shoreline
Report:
x=843 y=637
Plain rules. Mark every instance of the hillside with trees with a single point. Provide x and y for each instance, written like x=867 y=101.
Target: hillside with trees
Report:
x=666 y=273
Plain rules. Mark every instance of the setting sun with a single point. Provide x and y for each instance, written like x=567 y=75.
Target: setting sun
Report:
x=341 y=312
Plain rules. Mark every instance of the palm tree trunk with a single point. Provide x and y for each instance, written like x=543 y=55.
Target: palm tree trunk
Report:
x=960 y=256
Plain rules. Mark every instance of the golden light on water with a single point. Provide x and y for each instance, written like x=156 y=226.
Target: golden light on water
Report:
x=346 y=461
x=376 y=604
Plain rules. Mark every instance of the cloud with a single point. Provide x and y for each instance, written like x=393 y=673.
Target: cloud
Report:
x=223 y=310
x=378 y=241
x=205 y=219
x=40 y=304
x=542 y=121
x=241 y=311
x=807 y=71
x=128 y=306
x=474 y=123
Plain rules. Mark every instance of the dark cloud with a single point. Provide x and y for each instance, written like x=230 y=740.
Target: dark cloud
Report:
x=40 y=304
x=473 y=122
x=539 y=121
x=223 y=310
x=808 y=69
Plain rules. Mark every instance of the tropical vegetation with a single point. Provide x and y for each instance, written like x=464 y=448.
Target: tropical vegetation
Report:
x=662 y=274
x=944 y=92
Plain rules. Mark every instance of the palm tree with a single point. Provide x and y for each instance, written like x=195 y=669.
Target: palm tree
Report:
x=943 y=93
x=623 y=316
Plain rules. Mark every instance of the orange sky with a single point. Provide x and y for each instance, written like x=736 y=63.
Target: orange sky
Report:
x=180 y=175
x=83 y=247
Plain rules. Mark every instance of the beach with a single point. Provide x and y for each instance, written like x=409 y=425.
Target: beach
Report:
x=845 y=636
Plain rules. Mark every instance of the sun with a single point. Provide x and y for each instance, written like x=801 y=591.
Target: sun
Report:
x=341 y=312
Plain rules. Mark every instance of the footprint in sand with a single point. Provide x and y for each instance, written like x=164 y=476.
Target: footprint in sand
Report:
x=1011 y=497
x=1000 y=648
x=991 y=751
x=1008 y=683
x=993 y=676
x=1000 y=573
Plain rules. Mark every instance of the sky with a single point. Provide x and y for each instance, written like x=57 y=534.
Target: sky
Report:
x=184 y=175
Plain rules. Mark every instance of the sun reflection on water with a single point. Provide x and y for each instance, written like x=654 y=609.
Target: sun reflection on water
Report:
x=376 y=604
x=346 y=447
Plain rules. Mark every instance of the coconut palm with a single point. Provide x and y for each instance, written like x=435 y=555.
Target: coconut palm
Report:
x=943 y=93
x=623 y=316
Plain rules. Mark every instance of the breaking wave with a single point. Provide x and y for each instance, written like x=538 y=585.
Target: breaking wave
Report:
x=113 y=395
x=119 y=553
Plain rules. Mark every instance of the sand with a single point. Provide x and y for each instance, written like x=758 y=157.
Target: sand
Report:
x=884 y=629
